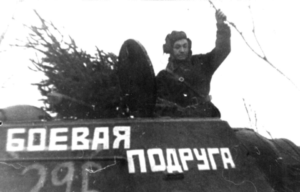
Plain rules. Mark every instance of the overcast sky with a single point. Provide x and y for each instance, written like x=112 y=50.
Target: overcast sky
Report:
x=243 y=80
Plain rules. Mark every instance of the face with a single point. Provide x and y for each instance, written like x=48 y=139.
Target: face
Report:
x=181 y=49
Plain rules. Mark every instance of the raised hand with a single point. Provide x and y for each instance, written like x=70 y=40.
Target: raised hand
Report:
x=220 y=16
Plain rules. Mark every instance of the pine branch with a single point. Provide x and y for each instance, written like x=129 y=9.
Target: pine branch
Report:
x=78 y=85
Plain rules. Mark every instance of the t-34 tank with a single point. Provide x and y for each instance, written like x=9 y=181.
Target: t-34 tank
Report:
x=144 y=153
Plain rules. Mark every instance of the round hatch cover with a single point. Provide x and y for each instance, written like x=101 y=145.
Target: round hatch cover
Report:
x=137 y=79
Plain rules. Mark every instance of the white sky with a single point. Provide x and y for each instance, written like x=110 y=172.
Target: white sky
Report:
x=271 y=99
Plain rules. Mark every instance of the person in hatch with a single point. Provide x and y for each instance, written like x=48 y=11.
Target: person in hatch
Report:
x=183 y=87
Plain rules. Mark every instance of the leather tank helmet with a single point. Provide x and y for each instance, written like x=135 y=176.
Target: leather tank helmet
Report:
x=172 y=38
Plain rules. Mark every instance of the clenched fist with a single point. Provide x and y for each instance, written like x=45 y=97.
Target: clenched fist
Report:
x=220 y=16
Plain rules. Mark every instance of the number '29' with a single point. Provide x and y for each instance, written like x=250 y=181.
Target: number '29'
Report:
x=68 y=178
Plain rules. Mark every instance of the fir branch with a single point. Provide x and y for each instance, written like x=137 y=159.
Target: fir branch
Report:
x=77 y=85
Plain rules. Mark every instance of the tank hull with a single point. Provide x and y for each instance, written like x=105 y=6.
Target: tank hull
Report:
x=156 y=154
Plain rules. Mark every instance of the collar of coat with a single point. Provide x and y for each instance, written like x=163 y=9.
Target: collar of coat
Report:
x=175 y=64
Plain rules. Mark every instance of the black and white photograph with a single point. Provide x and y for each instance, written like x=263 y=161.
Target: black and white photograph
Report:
x=149 y=95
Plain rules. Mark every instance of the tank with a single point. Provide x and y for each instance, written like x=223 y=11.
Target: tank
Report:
x=146 y=154
x=141 y=152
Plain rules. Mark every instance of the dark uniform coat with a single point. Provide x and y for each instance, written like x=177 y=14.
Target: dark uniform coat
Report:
x=185 y=85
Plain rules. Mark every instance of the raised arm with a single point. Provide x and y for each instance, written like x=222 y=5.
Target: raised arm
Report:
x=222 y=48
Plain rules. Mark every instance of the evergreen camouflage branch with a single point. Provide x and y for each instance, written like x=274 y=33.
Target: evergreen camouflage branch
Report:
x=78 y=85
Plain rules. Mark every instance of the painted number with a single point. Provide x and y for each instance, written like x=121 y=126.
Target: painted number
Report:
x=87 y=168
x=66 y=167
x=41 y=171
x=67 y=179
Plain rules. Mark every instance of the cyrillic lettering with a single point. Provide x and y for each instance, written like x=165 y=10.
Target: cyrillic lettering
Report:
x=202 y=157
x=211 y=153
x=185 y=155
x=102 y=141
x=227 y=158
x=15 y=144
x=173 y=165
x=80 y=142
x=159 y=153
x=54 y=138
x=141 y=157
x=122 y=137
x=31 y=139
